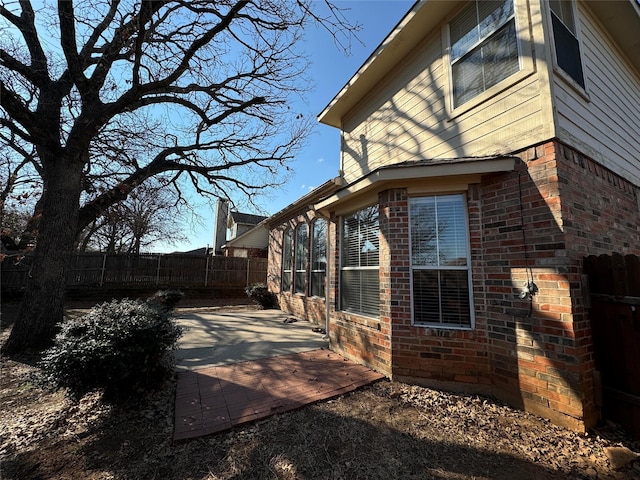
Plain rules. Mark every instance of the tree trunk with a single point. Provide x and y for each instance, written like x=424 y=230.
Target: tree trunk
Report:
x=42 y=306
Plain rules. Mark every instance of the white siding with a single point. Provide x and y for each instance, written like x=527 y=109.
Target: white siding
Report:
x=406 y=117
x=256 y=238
x=607 y=126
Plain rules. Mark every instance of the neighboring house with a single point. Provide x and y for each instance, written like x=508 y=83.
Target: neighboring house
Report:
x=248 y=238
x=487 y=147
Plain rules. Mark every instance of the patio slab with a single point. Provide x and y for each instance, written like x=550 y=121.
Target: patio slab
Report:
x=212 y=338
x=217 y=398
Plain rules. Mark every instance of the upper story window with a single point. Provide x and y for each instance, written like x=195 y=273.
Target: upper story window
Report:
x=318 y=257
x=287 y=257
x=300 y=260
x=360 y=262
x=484 y=48
x=565 y=38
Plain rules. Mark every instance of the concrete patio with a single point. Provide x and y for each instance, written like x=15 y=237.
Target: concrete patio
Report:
x=240 y=366
x=213 y=338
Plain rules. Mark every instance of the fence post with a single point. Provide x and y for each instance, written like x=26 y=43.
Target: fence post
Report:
x=248 y=270
x=104 y=266
x=206 y=271
x=158 y=271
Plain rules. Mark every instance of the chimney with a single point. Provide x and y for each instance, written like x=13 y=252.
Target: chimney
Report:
x=220 y=226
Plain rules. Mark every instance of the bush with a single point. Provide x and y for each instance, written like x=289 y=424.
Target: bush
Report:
x=260 y=294
x=123 y=347
x=167 y=299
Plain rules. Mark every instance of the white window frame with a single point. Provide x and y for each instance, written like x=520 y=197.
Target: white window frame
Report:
x=467 y=268
x=322 y=273
x=525 y=56
x=300 y=257
x=287 y=272
x=357 y=268
x=558 y=70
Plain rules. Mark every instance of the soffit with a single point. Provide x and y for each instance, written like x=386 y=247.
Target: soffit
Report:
x=622 y=22
x=303 y=203
x=412 y=174
x=422 y=19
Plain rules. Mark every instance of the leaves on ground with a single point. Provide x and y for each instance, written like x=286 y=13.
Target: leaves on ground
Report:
x=385 y=431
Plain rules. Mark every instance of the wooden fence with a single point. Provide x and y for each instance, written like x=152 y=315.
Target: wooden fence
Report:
x=116 y=270
x=614 y=283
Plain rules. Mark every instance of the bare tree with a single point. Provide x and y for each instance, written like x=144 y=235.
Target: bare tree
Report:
x=148 y=215
x=107 y=94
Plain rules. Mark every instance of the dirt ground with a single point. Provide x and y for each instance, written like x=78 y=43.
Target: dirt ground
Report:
x=385 y=431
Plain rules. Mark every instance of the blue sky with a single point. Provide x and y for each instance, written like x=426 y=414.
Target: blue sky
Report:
x=330 y=69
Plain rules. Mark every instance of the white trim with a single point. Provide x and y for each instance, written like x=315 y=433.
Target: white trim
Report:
x=401 y=174
x=557 y=69
x=527 y=67
x=467 y=268
x=340 y=269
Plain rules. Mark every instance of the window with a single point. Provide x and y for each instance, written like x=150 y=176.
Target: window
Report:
x=440 y=262
x=318 y=257
x=359 y=272
x=565 y=38
x=484 y=48
x=287 y=247
x=300 y=259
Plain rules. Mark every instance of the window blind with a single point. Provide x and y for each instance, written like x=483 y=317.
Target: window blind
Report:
x=484 y=48
x=318 y=257
x=300 y=259
x=439 y=261
x=360 y=244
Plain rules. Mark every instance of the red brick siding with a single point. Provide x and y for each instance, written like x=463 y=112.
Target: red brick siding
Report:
x=601 y=215
x=363 y=339
x=544 y=359
x=300 y=305
x=535 y=223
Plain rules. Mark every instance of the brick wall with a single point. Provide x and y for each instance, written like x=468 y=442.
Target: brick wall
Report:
x=601 y=215
x=540 y=351
x=302 y=306
x=429 y=355
x=363 y=339
x=530 y=341
x=534 y=224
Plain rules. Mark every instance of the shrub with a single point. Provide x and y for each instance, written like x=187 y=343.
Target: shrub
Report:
x=122 y=347
x=168 y=299
x=260 y=294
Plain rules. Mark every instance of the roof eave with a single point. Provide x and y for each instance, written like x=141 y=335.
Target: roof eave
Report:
x=622 y=22
x=383 y=177
x=418 y=22
x=327 y=188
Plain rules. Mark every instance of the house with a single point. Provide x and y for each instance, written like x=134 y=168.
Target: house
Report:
x=239 y=234
x=253 y=240
x=487 y=148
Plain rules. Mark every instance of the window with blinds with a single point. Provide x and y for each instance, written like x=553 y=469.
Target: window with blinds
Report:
x=318 y=258
x=359 y=272
x=483 y=48
x=565 y=37
x=440 y=264
x=300 y=259
x=287 y=257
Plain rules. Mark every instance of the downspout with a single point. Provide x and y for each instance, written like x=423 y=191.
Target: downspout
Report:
x=327 y=283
